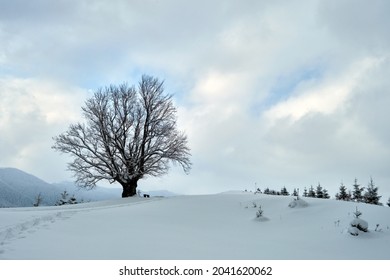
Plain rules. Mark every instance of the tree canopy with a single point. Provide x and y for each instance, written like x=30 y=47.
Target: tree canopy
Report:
x=129 y=132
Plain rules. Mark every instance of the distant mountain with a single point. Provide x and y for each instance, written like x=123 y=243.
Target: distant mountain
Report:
x=20 y=189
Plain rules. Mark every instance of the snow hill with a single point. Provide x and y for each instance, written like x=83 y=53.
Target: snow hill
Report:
x=221 y=226
x=20 y=189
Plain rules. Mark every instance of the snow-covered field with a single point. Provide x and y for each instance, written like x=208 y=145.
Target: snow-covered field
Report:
x=208 y=227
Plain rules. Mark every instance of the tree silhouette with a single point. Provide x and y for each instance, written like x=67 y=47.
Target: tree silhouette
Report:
x=129 y=133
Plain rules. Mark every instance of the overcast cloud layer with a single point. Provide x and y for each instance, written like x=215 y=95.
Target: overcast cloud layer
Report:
x=272 y=93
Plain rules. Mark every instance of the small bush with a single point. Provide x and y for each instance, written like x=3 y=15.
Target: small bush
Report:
x=360 y=224
x=353 y=231
x=259 y=212
x=65 y=199
x=298 y=203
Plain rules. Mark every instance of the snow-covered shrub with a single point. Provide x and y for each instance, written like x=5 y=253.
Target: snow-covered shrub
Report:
x=259 y=215
x=360 y=224
x=298 y=203
x=66 y=200
x=259 y=212
x=353 y=231
x=357 y=224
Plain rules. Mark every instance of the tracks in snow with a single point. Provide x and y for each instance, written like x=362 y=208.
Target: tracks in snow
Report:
x=38 y=218
x=34 y=223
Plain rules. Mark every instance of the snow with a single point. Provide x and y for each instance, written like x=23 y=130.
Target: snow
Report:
x=353 y=231
x=208 y=227
x=298 y=203
x=359 y=224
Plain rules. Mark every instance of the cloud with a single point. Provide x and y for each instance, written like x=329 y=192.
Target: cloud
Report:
x=273 y=92
x=357 y=24
x=325 y=96
x=340 y=139
x=31 y=113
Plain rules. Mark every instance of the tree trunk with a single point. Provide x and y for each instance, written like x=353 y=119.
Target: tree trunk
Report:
x=129 y=188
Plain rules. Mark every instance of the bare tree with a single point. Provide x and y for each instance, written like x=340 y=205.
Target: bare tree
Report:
x=129 y=133
x=38 y=200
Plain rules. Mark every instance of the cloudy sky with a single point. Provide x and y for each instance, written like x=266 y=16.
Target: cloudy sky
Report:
x=270 y=93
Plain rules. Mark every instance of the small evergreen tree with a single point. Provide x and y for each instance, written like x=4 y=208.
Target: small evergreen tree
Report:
x=311 y=192
x=295 y=192
x=305 y=193
x=371 y=195
x=357 y=213
x=65 y=200
x=319 y=191
x=326 y=195
x=358 y=223
x=284 y=191
x=342 y=194
x=357 y=193
x=266 y=191
x=388 y=202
